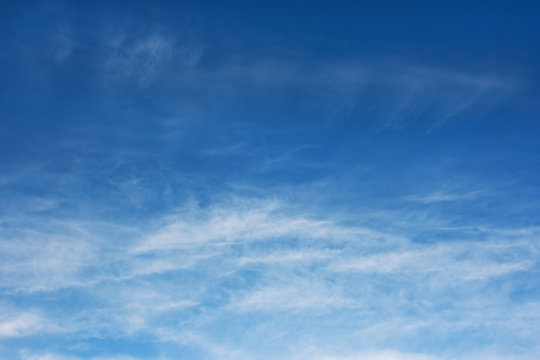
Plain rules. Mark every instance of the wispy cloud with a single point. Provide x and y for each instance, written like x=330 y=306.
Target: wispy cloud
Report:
x=293 y=295
x=289 y=261
x=55 y=356
x=21 y=325
x=245 y=221
x=40 y=261
x=412 y=93
x=139 y=59
x=284 y=257
x=465 y=261
x=439 y=196
x=382 y=355
x=176 y=184
x=212 y=349
x=16 y=323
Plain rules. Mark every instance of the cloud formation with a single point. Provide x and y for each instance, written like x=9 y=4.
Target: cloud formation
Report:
x=255 y=183
x=285 y=261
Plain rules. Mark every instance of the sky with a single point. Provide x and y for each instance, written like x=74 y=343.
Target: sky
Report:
x=300 y=180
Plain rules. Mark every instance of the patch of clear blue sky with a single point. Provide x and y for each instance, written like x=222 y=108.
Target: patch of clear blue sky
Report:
x=305 y=180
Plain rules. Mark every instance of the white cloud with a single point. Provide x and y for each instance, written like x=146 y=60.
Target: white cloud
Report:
x=214 y=350
x=439 y=196
x=445 y=263
x=291 y=256
x=43 y=263
x=296 y=295
x=24 y=324
x=56 y=356
x=382 y=355
x=40 y=254
x=243 y=258
x=245 y=222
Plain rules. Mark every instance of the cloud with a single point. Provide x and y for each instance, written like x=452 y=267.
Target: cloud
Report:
x=21 y=325
x=382 y=355
x=63 y=43
x=141 y=60
x=212 y=349
x=56 y=356
x=245 y=221
x=396 y=355
x=100 y=250
x=458 y=261
x=48 y=356
x=394 y=93
x=197 y=268
x=441 y=93
x=284 y=257
x=40 y=254
x=439 y=196
x=292 y=295
x=24 y=323
x=43 y=261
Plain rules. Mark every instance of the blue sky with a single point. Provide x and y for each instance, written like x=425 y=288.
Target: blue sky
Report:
x=281 y=180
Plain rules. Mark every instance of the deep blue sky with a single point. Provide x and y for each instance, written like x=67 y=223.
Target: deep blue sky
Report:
x=244 y=180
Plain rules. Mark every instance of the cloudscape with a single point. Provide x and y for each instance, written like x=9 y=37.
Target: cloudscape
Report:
x=301 y=180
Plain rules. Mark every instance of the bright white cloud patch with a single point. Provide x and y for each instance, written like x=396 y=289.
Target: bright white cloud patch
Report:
x=21 y=325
